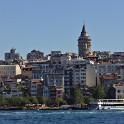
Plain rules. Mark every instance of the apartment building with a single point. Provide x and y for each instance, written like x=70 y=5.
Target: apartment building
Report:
x=84 y=72
x=36 y=87
x=103 y=68
x=9 y=71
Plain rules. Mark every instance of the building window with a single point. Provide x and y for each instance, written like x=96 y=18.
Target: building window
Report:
x=77 y=73
x=118 y=91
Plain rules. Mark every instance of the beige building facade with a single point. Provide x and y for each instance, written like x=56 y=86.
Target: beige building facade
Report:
x=91 y=75
x=9 y=70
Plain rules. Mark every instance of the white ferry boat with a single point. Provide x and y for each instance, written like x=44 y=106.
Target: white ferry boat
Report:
x=107 y=104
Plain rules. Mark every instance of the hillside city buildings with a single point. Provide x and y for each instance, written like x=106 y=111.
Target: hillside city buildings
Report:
x=58 y=74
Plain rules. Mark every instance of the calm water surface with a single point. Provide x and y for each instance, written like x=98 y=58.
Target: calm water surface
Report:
x=62 y=117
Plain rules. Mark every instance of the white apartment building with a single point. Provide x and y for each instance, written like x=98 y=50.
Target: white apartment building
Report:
x=84 y=72
x=79 y=70
x=9 y=70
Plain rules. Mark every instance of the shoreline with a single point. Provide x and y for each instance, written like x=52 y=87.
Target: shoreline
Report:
x=50 y=108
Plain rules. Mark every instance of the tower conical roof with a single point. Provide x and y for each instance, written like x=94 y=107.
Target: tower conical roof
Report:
x=84 y=32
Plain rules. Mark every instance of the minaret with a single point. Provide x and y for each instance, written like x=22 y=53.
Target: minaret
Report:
x=84 y=44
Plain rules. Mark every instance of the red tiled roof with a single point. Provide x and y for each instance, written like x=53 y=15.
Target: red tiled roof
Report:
x=36 y=81
x=109 y=76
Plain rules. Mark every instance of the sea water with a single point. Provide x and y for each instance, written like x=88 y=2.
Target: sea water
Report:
x=62 y=117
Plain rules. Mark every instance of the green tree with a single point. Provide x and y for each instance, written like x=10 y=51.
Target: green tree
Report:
x=47 y=101
x=106 y=59
x=4 y=101
x=20 y=87
x=60 y=102
x=33 y=100
x=99 y=92
x=6 y=88
x=1 y=100
x=25 y=101
x=89 y=99
x=15 y=101
x=41 y=100
x=77 y=98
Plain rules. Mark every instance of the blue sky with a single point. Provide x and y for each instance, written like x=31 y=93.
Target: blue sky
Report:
x=48 y=25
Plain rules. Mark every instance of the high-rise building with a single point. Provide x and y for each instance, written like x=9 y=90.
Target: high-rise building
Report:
x=84 y=43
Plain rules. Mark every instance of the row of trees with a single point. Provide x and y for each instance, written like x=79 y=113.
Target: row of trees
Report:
x=20 y=102
x=77 y=98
